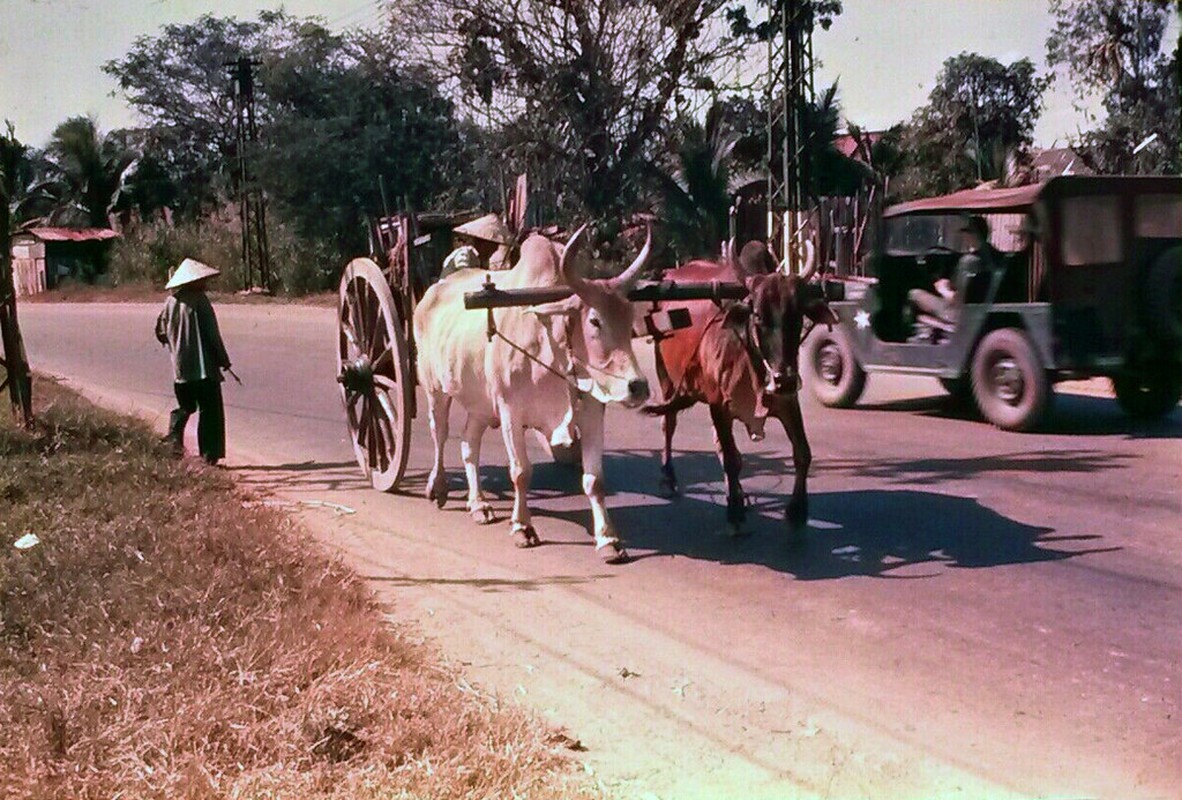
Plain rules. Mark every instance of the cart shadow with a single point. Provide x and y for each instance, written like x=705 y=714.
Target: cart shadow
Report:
x=875 y=532
x=1069 y=414
x=303 y=476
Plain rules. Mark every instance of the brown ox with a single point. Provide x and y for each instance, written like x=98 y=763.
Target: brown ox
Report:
x=742 y=361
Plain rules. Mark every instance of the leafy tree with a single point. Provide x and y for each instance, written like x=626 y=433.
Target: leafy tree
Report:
x=335 y=111
x=1115 y=49
x=343 y=111
x=89 y=169
x=595 y=80
x=816 y=13
x=979 y=111
x=178 y=82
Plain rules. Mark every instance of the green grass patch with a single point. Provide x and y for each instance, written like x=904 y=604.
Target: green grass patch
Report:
x=168 y=638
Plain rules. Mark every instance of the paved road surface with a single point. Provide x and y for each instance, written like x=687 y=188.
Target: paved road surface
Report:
x=977 y=613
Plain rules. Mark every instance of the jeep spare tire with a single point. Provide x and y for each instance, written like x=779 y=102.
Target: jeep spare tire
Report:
x=835 y=376
x=1010 y=383
x=1163 y=297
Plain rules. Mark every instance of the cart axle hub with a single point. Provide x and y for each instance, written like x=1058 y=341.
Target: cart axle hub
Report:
x=357 y=376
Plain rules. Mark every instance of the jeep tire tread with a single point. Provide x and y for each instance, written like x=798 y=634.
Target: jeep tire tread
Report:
x=835 y=376
x=1010 y=383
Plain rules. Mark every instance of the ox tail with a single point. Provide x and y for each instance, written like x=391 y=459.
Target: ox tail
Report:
x=674 y=406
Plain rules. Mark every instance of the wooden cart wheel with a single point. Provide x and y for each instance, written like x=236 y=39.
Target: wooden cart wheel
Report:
x=373 y=369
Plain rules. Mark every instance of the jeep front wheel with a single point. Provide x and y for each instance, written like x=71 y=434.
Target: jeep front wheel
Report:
x=836 y=378
x=1148 y=393
x=1009 y=381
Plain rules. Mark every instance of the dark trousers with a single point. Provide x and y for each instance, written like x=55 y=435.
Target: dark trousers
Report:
x=206 y=397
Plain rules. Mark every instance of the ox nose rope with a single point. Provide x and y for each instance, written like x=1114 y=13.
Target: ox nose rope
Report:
x=494 y=332
x=548 y=367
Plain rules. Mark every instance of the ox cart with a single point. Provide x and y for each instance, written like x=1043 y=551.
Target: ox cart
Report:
x=376 y=349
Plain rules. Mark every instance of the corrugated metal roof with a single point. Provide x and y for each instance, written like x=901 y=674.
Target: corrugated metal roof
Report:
x=1016 y=198
x=72 y=234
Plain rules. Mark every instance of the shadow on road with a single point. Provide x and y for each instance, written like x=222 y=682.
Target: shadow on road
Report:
x=1069 y=414
x=874 y=532
x=865 y=532
x=927 y=471
x=304 y=476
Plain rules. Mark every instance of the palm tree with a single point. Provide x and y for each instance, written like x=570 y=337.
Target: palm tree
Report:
x=90 y=170
x=697 y=199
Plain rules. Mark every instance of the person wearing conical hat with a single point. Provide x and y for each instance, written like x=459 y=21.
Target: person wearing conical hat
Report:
x=188 y=327
x=483 y=244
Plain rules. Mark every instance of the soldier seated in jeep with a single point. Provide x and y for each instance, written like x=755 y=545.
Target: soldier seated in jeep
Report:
x=937 y=311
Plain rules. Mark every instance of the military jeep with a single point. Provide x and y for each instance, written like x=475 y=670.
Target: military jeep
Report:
x=1096 y=290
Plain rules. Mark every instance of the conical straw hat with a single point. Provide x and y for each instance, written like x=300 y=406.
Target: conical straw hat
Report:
x=489 y=228
x=190 y=271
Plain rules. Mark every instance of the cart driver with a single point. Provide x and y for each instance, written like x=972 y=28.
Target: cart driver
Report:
x=483 y=243
x=979 y=257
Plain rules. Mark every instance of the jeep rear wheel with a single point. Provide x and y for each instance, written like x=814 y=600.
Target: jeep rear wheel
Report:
x=836 y=378
x=1009 y=381
x=1149 y=393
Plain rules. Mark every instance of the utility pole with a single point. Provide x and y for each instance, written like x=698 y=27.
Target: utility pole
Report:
x=252 y=205
x=789 y=93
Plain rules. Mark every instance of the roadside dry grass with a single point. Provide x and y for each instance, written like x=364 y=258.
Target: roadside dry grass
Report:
x=168 y=638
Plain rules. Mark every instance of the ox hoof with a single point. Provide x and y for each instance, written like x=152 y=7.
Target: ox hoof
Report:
x=437 y=490
x=613 y=553
x=668 y=488
x=482 y=514
x=525 y=536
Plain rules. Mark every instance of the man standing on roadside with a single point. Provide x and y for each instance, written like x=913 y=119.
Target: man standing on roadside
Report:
x=189 y=328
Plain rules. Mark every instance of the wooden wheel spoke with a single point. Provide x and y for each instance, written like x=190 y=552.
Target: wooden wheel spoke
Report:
x=350 y=336
x=383 y=359
x=377 y=331
x=364 y=423
x=378 y=453
x=387 y=383
x=387 y=422
x=351 y=401
x=356 y=316
x=370 y=311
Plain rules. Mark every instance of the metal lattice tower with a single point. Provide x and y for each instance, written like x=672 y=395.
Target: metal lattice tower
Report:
x=789 y=93
x=252 y=210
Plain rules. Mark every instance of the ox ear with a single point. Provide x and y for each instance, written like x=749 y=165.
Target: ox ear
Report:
x=736 y=318
x=556 y=316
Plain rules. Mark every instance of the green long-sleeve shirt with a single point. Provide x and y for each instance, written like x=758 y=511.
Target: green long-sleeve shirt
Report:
x=190 y=329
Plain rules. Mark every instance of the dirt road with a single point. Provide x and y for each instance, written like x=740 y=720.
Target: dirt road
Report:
x=976 y=614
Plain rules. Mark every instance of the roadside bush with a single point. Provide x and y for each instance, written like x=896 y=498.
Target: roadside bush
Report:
x=148 y=251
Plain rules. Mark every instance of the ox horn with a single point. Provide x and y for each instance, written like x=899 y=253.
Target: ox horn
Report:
x=810 y=259
x=627 y=279
x=566 y=262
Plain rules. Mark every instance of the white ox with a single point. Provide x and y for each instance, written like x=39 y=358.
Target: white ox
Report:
x=584 y=340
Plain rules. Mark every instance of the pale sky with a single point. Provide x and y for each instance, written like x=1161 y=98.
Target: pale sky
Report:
x=886 y=53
